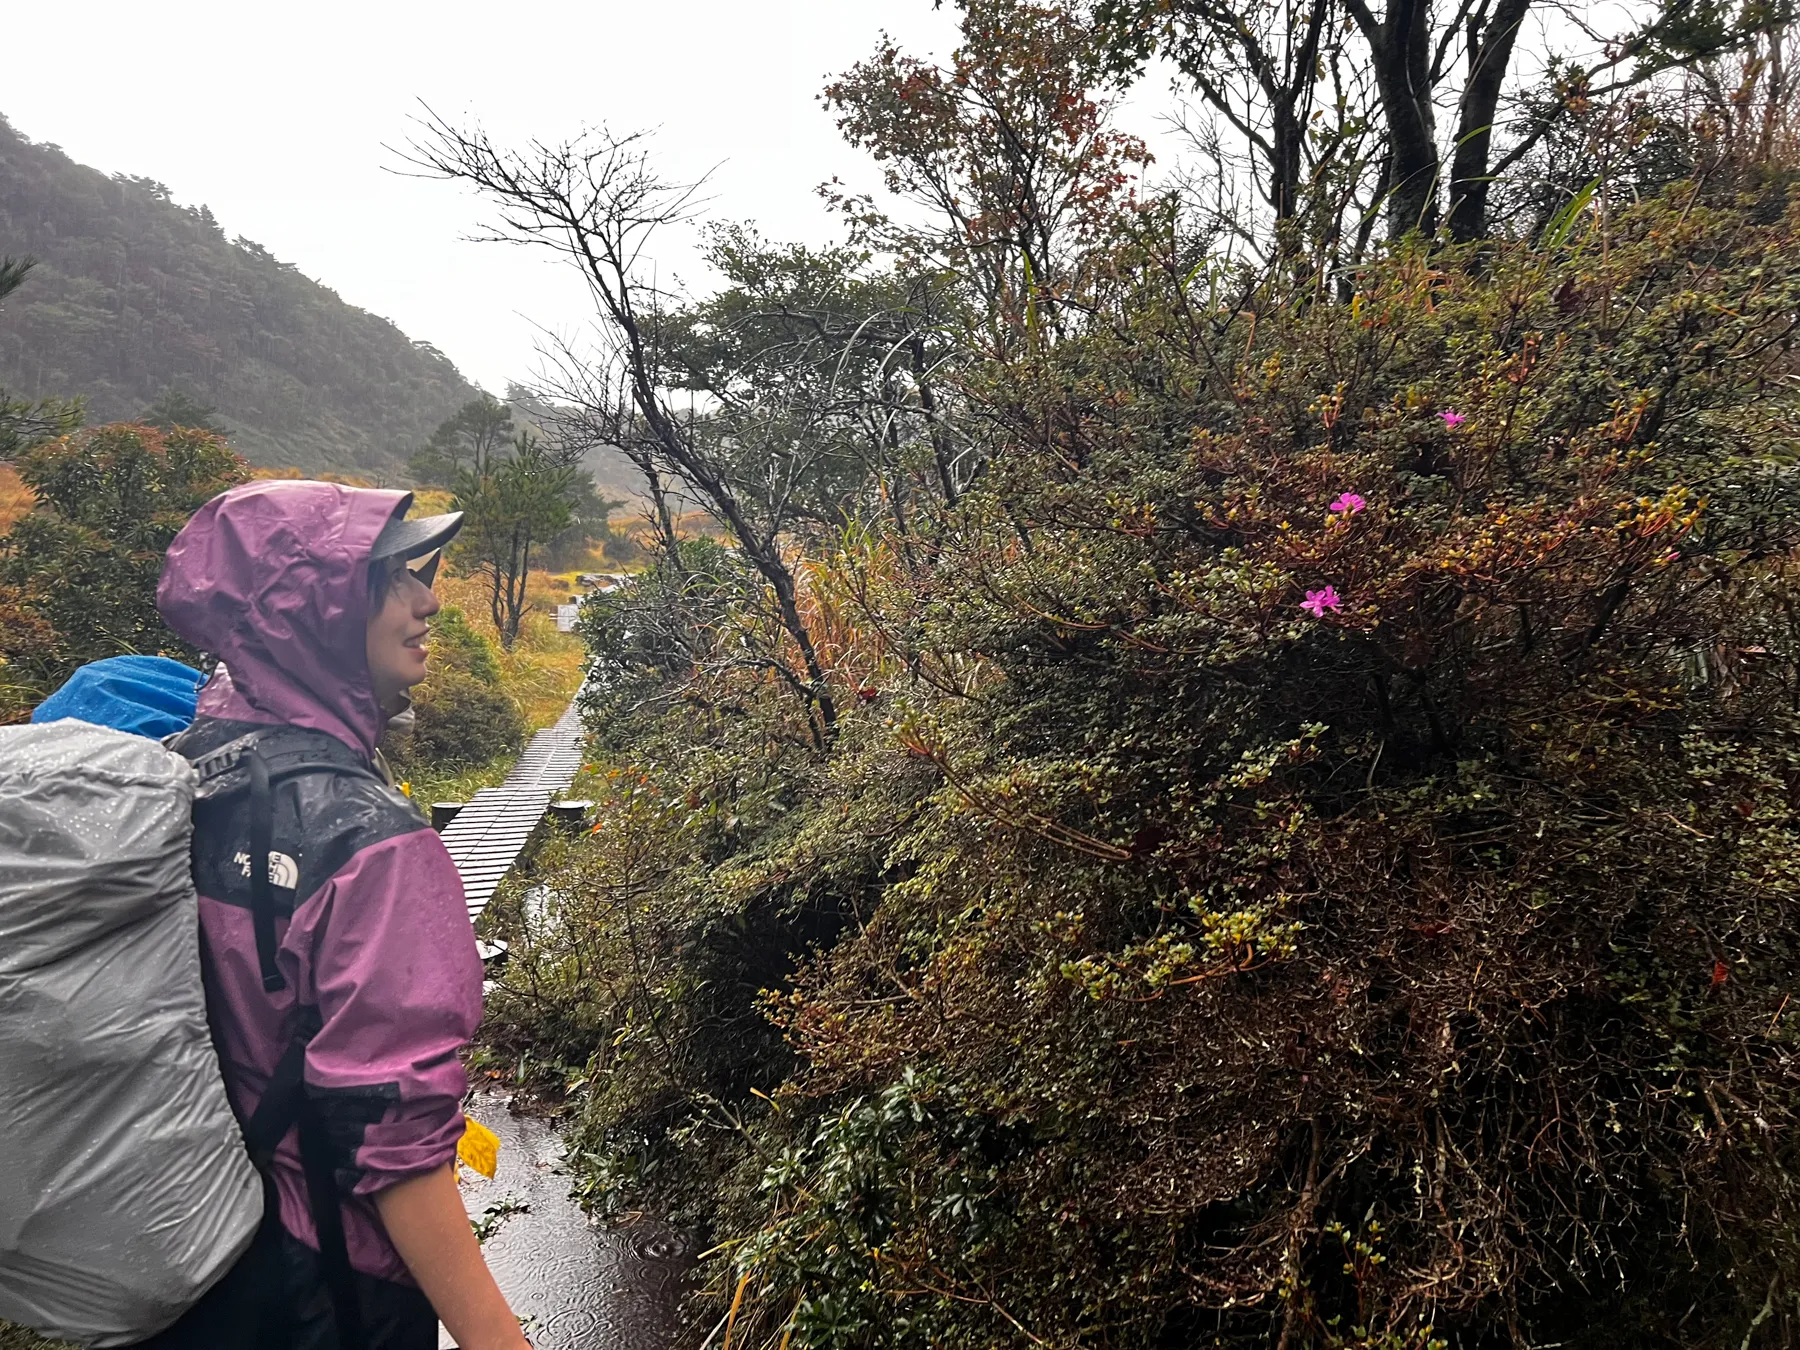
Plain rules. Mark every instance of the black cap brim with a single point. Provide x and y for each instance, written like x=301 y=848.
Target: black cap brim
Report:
x=414 y=538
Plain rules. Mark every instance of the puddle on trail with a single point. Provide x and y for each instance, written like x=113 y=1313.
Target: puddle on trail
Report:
x=585 y=1286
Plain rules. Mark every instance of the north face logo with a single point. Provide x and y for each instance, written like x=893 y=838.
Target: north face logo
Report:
x=283 y=870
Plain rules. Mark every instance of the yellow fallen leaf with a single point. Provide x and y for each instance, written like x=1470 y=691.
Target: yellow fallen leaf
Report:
x=479 y=1148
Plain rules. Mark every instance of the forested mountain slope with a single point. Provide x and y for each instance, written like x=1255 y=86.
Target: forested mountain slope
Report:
x=135 y=295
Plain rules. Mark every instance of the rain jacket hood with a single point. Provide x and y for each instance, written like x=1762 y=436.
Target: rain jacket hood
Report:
x=272 y=577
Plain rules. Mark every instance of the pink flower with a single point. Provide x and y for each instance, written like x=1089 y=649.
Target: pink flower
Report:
x=1453 y=419
x=1349 y=504
x=1317 y=602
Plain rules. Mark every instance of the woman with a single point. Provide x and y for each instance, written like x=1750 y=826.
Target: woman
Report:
x=367 y=981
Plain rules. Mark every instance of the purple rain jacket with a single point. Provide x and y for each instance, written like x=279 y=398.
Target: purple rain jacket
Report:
x=373 y=933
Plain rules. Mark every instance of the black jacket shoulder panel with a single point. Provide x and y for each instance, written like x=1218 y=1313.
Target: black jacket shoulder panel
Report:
x=322 y=818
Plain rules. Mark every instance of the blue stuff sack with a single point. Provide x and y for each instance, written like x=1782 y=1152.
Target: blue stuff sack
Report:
x=144 y=695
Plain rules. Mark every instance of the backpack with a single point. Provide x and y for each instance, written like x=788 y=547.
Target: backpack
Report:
x=130 y=1188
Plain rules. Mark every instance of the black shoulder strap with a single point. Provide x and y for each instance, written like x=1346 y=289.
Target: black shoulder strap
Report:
x=267 y=757
x=279 y=1108
x=286 y=750
x=285 y=1106
x=328 y=1223
x=262 y=896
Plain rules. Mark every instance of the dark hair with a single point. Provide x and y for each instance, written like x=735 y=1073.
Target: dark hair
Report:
x=383 y=573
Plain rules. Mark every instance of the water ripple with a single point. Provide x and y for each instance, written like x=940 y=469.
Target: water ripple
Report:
x=585 y=1287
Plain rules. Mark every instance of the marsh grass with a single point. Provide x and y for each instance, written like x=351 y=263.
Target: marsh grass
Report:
x=541 y=673
x=18 y=1338
x=543 y=669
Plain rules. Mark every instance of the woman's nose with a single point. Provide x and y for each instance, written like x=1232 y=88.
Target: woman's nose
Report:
x=425 y=602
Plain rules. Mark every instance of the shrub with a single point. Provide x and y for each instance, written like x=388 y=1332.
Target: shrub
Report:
x=1360 y=889
x=1310 y=858
x=459 y=722
x=455 y=645
x=461 y=716
x=80 y=568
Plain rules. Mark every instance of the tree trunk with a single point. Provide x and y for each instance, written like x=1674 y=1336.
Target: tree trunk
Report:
x=1285 y=133
x=1490 y=57
x=1400 y=44
x=495 y=609
x=940 y=443
x=518 y=561
x=1287 y=126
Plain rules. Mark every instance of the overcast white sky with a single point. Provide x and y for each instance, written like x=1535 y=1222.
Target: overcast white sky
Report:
x=275 y=115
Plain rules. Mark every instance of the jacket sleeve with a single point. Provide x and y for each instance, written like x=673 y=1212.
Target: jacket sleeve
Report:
x=397 y=981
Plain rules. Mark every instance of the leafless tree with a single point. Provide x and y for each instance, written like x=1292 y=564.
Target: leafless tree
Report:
x=598 y=202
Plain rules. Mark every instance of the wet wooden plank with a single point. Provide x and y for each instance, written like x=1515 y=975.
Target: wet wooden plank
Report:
x=488 y=834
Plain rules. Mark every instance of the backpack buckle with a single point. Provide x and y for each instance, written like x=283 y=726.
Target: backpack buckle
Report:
x=219 y=762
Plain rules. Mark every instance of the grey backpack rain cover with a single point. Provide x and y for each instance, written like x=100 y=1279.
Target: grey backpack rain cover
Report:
x=125 y=1188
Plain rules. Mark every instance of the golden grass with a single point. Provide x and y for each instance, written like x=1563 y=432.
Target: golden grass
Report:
x=430 y=502
x=15 y=498
x=700 y=525
x=457 y=785
x=543 y=670
x=262 y=471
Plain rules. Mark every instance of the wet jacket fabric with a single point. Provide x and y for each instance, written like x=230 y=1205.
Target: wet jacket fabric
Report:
x=374 y=941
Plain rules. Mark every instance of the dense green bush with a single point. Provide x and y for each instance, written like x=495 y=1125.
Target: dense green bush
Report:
x=461 y=715
x=460 y=721
x=455 y=645
x=78 y=572
x=1311 y=856
x=1358 y=886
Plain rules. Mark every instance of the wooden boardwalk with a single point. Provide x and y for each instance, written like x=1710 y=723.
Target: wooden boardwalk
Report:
x=488 y=834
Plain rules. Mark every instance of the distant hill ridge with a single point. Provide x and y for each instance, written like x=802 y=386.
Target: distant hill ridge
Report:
x=135 y=295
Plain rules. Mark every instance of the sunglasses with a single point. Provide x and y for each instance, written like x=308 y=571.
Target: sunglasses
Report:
x=385 y=572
